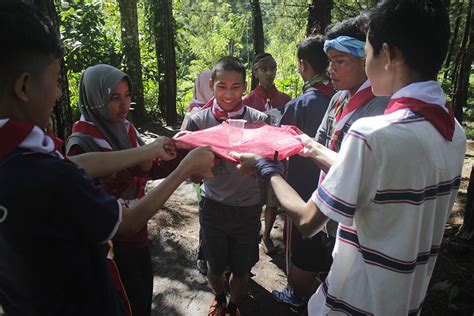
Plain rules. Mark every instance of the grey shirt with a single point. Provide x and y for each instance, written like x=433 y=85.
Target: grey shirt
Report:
x=228 y=186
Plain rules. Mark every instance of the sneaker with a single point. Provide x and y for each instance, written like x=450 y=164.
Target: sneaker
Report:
x=268 y=245
x=236 y=313
x=216 y=309
x=287 y=296
x=202 y=266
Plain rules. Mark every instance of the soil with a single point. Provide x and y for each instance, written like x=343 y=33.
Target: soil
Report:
x=179 y=288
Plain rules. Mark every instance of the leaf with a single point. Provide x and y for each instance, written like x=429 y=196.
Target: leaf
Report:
x=441 y=286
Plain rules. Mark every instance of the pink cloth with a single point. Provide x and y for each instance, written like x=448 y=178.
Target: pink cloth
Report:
x=259 y=139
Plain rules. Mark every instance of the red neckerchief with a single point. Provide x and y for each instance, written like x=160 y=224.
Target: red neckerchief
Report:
x=13 y=133
x=443 y=121
x=221 y=115
x=359 y=99
x=266 y=94
x=326 y=89
x=90 y=129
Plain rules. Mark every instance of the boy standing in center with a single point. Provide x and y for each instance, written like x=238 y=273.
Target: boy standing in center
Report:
x=229 y=211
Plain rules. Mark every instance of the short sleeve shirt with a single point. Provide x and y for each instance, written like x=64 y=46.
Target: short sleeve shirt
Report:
x=391 y=191
x=56 y=218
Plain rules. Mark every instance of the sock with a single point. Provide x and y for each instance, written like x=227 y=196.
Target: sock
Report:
x=221 y=299
x=231 y=308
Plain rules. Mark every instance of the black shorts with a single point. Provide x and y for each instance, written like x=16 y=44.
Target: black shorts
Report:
x=313 y=254
x=230 y=235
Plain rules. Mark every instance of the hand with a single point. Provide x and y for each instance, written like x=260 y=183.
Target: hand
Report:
x=310 y=146
x=198 y=163
x=163 y=148
x=179 y=144
x=246 y=165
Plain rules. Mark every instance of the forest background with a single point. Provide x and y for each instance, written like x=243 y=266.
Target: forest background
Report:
x=164 y=44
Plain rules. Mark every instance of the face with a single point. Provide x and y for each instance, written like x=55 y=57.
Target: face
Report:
x=119 y=104
x=44 y=92
x=346 y=71
x=266 y=75
x=228 y=87
x=375 y=67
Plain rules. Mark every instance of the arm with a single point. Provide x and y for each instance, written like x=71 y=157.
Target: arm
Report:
x=197 y=163
x=99 y=164
x=306 y=215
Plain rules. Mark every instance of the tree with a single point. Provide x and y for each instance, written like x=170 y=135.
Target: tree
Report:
x=466 y=232
x=457 y=9
x=319 y=16
x=258 y=39
x=131 y=49
x=463 y=67
x=166 y=58
x=62 y=114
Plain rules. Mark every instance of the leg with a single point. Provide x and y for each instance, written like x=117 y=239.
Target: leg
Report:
x=238 y=284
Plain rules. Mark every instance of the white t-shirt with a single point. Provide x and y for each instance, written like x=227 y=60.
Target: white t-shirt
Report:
x=391 y=189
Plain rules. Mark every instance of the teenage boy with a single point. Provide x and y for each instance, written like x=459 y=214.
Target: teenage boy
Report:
x=266 y=97
x=53 y=219
x=304 y=256
x=229 y=210
x=395 y=179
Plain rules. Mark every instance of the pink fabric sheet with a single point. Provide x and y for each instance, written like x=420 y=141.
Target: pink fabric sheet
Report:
x=259 y=139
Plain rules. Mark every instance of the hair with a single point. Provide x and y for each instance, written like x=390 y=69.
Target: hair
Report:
x=261 y=56
x=311 y=50
x=228 y=63
x=348 y=27
x=422 y=38
x=27 y=41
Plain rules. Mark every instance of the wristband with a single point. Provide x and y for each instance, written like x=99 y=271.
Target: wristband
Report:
x=267 y=167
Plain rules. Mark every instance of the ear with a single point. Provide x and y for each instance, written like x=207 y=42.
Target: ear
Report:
x=211 y=84
x=388 y=54
x=303 y=65
x=21 y=86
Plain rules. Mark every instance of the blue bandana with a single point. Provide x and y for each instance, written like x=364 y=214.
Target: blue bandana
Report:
x=346 y=44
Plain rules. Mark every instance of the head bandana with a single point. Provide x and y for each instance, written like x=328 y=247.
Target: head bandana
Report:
x=265 y=62
x=346 y=44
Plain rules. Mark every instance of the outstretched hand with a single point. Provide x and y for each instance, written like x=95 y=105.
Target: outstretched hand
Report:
x=163 y=148
x=198 y=163
x=310 y=146
x=246 y=162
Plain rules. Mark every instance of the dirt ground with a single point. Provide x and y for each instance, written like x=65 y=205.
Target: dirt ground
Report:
x=179 y=288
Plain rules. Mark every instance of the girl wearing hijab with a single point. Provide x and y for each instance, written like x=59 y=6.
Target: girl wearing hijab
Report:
x=104 y=99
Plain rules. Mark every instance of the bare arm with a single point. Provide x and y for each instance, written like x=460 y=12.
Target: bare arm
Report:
x=197 y=163
x=99 y=164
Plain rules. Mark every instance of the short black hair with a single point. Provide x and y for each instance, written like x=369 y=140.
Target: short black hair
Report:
x=311 y=50
x=27 y=40
x=228 y=63
x=419 y=29
x=348 y=27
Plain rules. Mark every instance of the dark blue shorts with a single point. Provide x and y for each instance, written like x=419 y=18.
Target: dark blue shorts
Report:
x=230 y=235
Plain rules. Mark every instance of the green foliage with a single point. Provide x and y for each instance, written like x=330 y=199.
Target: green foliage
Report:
x=88 y=33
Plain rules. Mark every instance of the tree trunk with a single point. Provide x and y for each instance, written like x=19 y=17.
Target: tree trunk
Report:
x=319 y=16
x=131 y=50
x=166 y=58
x=258 y=39
x=457 y=7
x=466 y=232
x=463 y=67
x=62 y=113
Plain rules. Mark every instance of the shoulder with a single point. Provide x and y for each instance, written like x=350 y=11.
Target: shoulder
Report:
x=377 y=105
x=255 y=115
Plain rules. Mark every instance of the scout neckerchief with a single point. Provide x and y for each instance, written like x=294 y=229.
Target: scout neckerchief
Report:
x=321 y=83
x=20 y=134
x=221 y=115
x=344 y=111
x=266 y=95
x=427 y=99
